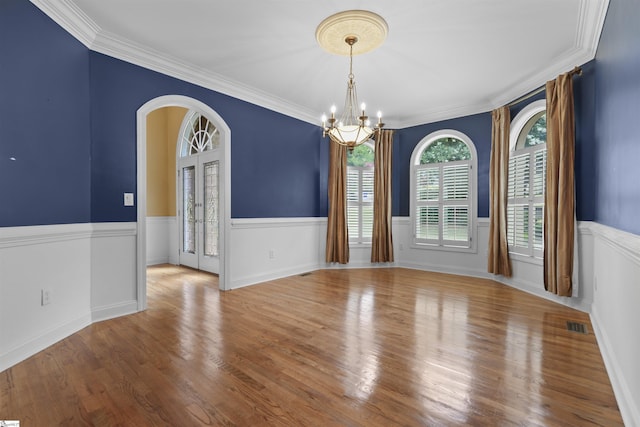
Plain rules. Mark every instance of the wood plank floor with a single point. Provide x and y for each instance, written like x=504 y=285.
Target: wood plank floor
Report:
x=362 y=347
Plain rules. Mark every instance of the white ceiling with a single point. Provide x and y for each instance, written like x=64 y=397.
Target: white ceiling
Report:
x=441 y=59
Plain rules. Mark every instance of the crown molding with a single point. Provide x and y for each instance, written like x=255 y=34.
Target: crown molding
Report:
x=589 y=35
x=66 y=14
x=590 y=23
x=111 y=45
x=74 y=21
x=447 y=113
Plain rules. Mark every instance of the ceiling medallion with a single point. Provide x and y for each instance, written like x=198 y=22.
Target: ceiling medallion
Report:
x=369 y=28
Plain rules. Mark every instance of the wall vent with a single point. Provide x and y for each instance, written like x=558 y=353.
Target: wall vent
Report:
x=577 y=327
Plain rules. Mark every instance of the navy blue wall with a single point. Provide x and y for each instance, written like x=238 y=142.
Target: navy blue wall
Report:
x=274 y=158
x=44 y=120
x=617 y=112
x=476 y=127
x=585 y=158
x=68 y=118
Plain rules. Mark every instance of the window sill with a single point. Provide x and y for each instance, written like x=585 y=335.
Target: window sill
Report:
x=359 y=245
x=526 y=258
x=430 y=247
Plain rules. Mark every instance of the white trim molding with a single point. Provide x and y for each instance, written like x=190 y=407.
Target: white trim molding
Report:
x=615 y=314
x=88 y=270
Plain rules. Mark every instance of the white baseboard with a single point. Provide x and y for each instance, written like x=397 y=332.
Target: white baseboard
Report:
x=627 y=405
x=111 y=311
x=45 y=339
x=614 y=313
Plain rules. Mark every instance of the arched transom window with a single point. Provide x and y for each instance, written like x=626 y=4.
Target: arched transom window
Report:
x=199 y=135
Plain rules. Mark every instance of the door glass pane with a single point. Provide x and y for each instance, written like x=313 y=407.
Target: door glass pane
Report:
x=211 y=214
x=189 y=209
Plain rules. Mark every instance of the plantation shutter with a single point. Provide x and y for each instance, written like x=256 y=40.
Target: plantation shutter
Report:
x=366 y=200
x=353 y=191
x=456 y=203
x=427 y=228
x=539 y=185
x=360 y=203
x=525 y=204
x=518 y=202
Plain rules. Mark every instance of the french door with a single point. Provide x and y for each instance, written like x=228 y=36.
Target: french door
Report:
x=198 y=211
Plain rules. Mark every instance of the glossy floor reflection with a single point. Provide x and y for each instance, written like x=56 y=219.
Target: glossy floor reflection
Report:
x=337 y=347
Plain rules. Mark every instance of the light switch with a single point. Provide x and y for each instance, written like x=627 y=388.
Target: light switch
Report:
x=128 y=199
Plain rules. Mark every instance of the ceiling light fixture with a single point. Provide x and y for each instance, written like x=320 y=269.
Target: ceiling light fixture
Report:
x=353 y=127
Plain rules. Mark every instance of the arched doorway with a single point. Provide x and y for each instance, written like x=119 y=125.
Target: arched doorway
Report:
x=224 y=183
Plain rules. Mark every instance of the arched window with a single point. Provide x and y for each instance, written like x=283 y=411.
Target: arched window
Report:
x=443 y=191
x=527 y=177
x=360 y=194
x=198 y=135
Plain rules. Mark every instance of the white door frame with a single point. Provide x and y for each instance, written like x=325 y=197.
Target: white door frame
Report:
x=225 y=186
x=198 y=161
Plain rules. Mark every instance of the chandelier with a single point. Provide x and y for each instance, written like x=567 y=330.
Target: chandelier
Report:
x=353 y=127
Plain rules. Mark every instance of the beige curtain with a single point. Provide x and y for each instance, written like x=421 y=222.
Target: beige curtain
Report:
x=382 y=241
x=337 y=233
x=499 y=262
x=559 y=202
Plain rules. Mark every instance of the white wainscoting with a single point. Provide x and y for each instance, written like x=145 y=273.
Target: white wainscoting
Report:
x=113 y=270
x=91 y=273
x=162 y=240
x=527 y=273
x=616 y=313
x=89 y=270
x=269 y=248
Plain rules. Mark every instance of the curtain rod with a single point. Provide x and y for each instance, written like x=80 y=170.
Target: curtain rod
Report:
x=576 y=70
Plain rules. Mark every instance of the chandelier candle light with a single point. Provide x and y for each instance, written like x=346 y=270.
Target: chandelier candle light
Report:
x=353 y=128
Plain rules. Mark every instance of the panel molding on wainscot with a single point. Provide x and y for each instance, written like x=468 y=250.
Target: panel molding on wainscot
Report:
x=55 y=258
x=113 y=270
x=264 y=249
x=87 y=269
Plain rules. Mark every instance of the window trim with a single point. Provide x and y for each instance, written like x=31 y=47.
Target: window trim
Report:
x=473 y=188
x=517 y=126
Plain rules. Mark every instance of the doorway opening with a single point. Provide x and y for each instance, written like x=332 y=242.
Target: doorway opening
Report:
x=212 y=175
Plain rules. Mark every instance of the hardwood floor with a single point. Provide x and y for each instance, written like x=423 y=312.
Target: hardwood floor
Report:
x=363 y=347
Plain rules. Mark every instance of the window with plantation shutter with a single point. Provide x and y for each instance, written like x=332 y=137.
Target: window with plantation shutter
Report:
x=443 y=191
x=360 y=194
x=527 y=177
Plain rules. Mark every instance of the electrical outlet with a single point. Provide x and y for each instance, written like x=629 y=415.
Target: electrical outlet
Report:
x=45 y=296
